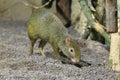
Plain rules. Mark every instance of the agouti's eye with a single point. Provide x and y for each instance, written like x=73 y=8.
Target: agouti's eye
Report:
x=71 y=50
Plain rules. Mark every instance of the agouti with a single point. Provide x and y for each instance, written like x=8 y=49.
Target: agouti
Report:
x=47 y=27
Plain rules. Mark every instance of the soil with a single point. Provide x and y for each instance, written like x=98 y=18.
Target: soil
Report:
x=17 y=64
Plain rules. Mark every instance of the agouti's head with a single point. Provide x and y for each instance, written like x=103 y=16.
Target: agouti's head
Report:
x=71 y=49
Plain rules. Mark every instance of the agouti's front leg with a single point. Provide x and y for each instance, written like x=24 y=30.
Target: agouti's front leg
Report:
x=41 y=46
x=56 y=52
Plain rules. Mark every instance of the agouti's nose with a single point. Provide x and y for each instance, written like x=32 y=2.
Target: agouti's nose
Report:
x=75 y=60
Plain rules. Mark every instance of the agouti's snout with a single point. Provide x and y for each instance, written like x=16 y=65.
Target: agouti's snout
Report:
x=75 y=60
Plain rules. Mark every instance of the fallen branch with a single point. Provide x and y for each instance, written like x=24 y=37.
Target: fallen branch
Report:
x=94 y=23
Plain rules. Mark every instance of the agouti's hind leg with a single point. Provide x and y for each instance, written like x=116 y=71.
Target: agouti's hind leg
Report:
x=32 y=45
x=41 y=46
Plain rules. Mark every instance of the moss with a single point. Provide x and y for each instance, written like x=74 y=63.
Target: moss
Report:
x=110 y=63
x=119 y=76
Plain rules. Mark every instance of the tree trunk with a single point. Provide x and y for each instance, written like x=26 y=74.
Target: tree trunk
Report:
x=64 y=9
x=118 y=7
x=111 y=16
x=114 y=59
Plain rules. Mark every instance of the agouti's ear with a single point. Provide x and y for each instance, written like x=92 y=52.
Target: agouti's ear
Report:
x=67 y=41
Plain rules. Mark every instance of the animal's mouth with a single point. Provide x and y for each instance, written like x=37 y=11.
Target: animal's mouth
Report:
x=74 y=60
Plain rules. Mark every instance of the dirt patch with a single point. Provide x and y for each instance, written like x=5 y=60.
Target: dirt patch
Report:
x=17 y=64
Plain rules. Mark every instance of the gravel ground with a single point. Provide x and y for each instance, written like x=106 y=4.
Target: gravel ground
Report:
x=17 y=64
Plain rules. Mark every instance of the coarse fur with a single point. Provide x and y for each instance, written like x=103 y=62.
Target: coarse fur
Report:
x=47 y=27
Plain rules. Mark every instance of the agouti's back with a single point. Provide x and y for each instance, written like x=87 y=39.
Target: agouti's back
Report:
x=47 y=27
